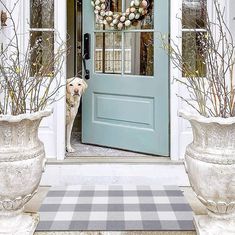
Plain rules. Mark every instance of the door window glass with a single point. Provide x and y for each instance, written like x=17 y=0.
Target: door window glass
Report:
x=139 y=53
x=108 y=53
x=112 y=5
x=148 y=21
x=130 y=51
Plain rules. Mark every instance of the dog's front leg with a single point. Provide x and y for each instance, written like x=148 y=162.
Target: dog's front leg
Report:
x=69 y=131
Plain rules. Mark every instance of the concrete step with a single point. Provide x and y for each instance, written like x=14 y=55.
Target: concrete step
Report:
x=119 y=233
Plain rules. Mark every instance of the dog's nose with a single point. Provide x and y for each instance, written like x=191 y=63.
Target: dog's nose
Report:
x=76 y=91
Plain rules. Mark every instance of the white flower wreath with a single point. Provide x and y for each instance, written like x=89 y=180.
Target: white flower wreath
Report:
x=135 y=12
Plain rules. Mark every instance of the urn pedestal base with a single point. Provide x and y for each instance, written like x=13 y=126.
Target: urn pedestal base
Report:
x=23 y=224
x=206 y=225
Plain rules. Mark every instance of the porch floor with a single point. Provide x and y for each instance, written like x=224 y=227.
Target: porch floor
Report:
x=87 y=150
x=34 y=205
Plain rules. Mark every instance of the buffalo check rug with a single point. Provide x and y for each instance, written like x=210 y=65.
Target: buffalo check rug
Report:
x=115 y=208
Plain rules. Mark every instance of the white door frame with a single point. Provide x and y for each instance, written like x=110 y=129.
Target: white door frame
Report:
x=60 y=111
x=175 y=30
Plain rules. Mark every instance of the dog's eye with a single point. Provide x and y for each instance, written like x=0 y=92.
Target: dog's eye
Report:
x=71 y=84
x=79 y=84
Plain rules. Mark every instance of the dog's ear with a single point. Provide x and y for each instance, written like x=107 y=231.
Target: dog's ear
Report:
x=84 y=85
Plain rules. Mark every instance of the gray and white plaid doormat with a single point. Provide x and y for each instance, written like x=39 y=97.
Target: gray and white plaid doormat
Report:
x=115 y=208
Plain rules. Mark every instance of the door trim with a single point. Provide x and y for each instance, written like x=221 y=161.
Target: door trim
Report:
x=61 y=26
x=175 y=28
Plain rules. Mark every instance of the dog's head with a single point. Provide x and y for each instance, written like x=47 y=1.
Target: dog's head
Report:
x=76 y=86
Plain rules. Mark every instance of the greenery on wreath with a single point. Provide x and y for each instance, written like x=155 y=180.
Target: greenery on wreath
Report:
x=137 y=10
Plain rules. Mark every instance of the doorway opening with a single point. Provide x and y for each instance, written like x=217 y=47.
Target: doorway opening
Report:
x=74 y=58
x=120 y=58
x=74 y=68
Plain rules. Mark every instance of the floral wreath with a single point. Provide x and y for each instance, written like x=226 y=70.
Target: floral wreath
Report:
x=137 y=10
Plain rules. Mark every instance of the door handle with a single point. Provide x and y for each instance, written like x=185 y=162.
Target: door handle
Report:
x=86 y=55
x=87 y=72
x=87 y=45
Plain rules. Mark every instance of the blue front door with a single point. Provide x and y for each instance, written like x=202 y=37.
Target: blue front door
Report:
x=126 y=104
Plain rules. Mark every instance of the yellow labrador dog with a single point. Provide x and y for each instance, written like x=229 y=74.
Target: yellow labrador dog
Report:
x=75 y=87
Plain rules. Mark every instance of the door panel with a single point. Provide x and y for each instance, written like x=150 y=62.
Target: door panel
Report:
x=126 y=103
x=111 y=109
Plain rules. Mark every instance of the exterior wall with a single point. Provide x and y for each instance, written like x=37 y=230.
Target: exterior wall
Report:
x=181 y=130
x=64 y=173
x=51 y=132
x=50 y=128
x=53 y=128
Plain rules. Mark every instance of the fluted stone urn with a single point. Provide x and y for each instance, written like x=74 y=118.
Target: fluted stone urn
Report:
x=22 y=159
x=210 y=164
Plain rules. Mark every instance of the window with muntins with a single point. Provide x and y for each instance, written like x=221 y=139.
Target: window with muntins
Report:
x=42 y=36
x=129 y=52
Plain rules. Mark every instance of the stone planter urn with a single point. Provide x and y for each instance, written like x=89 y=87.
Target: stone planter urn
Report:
x=22 y=159
x=210 y=164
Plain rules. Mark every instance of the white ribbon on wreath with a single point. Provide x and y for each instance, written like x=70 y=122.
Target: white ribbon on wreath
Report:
x=137 y=10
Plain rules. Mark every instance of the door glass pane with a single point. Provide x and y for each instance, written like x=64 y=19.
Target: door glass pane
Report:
x=148 y=21
x=108 y=53
x=42 y=13
x=112 y=5
x=116 y=6
x=194 y=14
x=139 y=53
x=192 y=50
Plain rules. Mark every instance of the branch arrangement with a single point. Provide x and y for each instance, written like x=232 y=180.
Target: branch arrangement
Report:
x=31 y=77
x=211 y=83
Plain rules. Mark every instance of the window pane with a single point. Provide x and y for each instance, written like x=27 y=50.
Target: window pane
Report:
x=108 y=53
x=193 y=61
x=194 y=14
x=148 y=21
x=42 y=52
x=42 y=13
x=139 y=53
